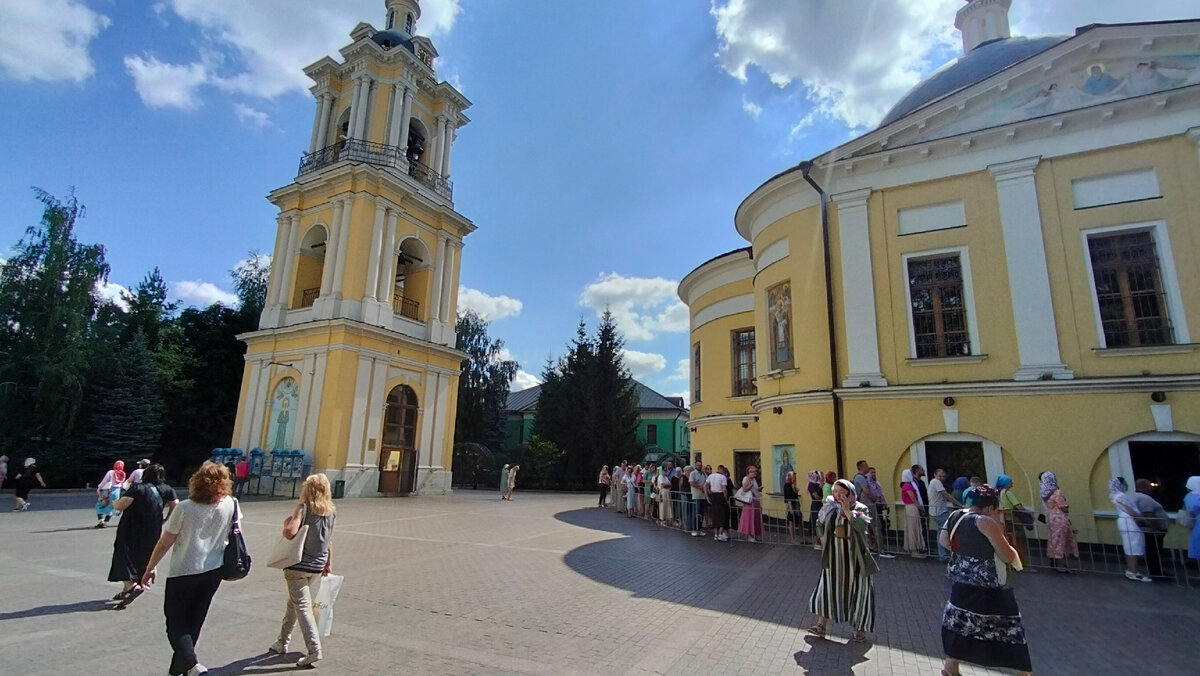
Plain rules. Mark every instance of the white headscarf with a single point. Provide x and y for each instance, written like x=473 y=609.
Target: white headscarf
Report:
x=30 y=461
x=1193 y=484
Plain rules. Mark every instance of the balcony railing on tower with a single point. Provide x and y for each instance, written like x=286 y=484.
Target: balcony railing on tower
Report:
x=406 y=307
x=377 y=154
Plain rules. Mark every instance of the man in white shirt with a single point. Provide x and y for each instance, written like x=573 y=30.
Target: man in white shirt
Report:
x=939 y=506
x=718 y=499
x=135 y=477
x=699 y=485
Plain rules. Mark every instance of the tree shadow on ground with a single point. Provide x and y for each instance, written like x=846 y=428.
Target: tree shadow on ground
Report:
x=773 y=584
x=60 y=609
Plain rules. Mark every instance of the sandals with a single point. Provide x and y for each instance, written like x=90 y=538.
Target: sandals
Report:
x=817 y=630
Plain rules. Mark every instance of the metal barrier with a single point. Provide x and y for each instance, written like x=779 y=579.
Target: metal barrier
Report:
x=1100 y=552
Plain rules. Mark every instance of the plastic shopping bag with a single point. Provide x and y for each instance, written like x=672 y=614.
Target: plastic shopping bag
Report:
x=323 y=604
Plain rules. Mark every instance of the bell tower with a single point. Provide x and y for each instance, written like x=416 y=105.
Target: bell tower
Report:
x=354 y=361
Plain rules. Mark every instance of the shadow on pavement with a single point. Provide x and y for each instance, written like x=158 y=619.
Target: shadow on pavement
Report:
x=265 y=663
x=61 y=609
x=850 y=654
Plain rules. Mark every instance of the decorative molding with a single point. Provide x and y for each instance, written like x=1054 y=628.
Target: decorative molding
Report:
x=1143 y=351
x=792 y=399
x=722 y=308
x=1010 y=388
x=945 y=361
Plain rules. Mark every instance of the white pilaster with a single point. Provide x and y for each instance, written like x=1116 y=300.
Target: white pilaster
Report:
x=435 y=162
x=1028 y=278
x=259 y=409
x=425 y=421
x=439 y=265
x=449 y=135
x=304 y=383
x=316 y=129
x=376 y=404
x=289 y=261
x=387 y=268
x=277 y=265
x=448 y=277
x=315 y=392
x=442 y=382
x=397 y=112
x=360 y=109
x=352 y=130
x=356 y=445
x=405 y=117
x=858 y=285
x=331 y=247
x=253 y=397
x=339 y=266
x=370 y=288
x=323 y=124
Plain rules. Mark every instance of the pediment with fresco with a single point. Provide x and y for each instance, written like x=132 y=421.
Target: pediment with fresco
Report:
x=1093 y=82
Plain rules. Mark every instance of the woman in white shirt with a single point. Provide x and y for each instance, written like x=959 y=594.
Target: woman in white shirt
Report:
x=196 y=533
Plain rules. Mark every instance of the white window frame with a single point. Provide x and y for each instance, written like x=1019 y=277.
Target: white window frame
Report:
x=968 y=297
x=1166 y=273
x=993 y=456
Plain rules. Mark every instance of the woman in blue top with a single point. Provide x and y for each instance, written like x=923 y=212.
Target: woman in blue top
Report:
x=1191 y=504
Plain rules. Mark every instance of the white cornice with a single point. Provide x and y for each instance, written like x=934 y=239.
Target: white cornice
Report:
x=1010 y=388
x=325 y=326
x=726 y=269
x=792 y=399
x=722 y=419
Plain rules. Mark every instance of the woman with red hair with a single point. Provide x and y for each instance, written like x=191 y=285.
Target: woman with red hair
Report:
x=108 y=491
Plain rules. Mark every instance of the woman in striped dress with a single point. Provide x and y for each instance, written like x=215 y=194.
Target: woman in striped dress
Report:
x=844 y=592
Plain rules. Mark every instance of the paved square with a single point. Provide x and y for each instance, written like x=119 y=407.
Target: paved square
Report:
x=547 y=584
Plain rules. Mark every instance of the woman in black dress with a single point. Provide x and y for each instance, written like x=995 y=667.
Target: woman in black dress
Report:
x=141 y=523
x=26 y=480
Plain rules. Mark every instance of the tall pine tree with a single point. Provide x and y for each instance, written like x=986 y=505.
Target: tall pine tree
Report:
x=127 y=413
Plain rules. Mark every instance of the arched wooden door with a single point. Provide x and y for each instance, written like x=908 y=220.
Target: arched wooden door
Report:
x=398 y=459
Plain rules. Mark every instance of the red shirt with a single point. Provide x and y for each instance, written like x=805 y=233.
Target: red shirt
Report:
x=241 y=470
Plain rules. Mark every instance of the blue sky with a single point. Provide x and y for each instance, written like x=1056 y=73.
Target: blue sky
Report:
x=610 y=142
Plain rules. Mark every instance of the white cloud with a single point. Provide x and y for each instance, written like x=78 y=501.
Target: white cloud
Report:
x=165 y=85
x=642 y=364
x=202 y=294
x=641 y=306
x=523 y=381
x=488 y=307
x=260 y=48
x=250 y=116
x=752 y=109
x=686 y=396
x=48 y=40
x=683 y=370
x=114 y=292
x=854 y=63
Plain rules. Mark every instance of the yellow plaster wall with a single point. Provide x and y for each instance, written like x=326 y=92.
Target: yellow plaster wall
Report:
x=804 y=267
x=716 y=367
x=1175 y=163
x=984 y=241
x=717 y=442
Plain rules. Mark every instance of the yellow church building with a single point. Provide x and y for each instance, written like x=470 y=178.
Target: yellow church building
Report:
x=354 y=361
x=1002 y=277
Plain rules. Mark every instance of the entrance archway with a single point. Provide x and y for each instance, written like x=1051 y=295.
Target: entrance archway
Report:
x=398 y=459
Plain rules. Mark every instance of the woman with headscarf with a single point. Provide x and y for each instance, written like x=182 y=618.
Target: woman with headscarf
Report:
x=914 y=533
x=504 y=482
x=827 y=487
x=1191 y=505
x=791 y=502
x=981 y=623
x=844 y=592
x=1062 y=538
x=750 y=523
x=631 y=490
x=605 y=480
x=666 y=512
x=108 y=491
x=1132 y=539
x=960 y=485
x=140 y=527
x=814 y=506
x=26 y=480
x=512 y=481
x=1015 y=516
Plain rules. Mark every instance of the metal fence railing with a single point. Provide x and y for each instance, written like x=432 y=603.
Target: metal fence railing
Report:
x=1100 y=551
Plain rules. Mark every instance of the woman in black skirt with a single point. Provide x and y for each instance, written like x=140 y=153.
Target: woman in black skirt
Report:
x=141 y=523
x=981 y=623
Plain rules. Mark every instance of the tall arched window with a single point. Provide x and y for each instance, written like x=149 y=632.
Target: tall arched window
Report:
x=408 y=23
x=400 y=423
x=391 y=20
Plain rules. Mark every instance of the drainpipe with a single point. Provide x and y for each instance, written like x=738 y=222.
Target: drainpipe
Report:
x=805 y=167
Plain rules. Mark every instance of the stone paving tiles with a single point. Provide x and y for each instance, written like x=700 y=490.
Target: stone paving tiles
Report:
x=547 y=584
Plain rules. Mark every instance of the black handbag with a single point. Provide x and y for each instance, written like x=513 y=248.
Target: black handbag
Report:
x=237 y=559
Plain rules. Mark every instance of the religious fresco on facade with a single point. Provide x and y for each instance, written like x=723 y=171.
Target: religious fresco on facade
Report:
x=281 y=420
x=779 y=319
x=1090 y=83
x=781 y=465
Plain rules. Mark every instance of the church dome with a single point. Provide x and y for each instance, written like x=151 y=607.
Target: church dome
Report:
x=977 y=65
x=393 y=38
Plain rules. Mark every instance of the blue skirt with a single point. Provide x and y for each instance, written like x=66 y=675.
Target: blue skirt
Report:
x=104 y=503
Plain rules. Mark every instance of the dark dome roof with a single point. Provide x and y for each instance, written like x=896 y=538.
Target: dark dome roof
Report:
x=979 y=64
x=392 y=38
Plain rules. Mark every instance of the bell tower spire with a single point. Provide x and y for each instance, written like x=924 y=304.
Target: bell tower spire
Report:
x=402 y=15
x=982 y=21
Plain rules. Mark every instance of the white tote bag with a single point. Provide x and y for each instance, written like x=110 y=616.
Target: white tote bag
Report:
x=323 y=604
x=287 y=553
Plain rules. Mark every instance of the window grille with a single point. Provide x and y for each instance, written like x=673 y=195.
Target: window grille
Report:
x=1129 y=289
x=743 y=363
x=939 y=312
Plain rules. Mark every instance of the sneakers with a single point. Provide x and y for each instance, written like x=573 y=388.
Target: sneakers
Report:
x=751 y=539
x=1137 y=577
x=198 y=670
x=309 y=660
x=723 y=538
x=886 y=555
x=100 y=524
x=278 y=647
x=695 y=533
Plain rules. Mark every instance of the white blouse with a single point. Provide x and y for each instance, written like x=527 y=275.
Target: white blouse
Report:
x=202 y=532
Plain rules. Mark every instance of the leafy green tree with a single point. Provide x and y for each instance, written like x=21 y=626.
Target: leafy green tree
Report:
x=48 y=300
x=482 y=385
x=543 y=464
x=250 y=280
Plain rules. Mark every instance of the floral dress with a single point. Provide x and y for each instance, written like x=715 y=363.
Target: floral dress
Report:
x=1062 y=539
